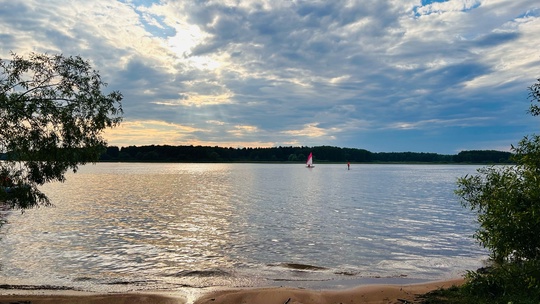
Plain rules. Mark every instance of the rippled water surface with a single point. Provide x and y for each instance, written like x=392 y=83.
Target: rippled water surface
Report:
x=166 y=226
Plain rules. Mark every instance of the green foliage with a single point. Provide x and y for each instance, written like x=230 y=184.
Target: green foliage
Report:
x=507 y=203
x=516 y=282
x=166 y=153
x=52 y=114
x=452 y=295
x=483 y=156
x=534 y=95
x=503 y=287
x=213 y=154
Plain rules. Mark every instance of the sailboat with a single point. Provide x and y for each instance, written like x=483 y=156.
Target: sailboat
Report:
x=309 y=162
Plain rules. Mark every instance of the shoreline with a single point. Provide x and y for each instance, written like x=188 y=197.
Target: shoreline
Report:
x=373 y=294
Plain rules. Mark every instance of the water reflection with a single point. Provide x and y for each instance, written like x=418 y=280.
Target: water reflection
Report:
x=147 y=226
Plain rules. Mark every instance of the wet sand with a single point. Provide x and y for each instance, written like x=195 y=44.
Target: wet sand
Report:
x=372 y=294
x=89 y=299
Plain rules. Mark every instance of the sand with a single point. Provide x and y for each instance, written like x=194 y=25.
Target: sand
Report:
x=89 y=299
x=371 y=294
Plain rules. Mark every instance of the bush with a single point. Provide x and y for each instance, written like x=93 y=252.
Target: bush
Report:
x=507 y=203
x=509 y=282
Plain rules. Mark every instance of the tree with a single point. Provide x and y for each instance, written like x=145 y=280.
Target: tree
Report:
x=507 y=202
x=52 y=114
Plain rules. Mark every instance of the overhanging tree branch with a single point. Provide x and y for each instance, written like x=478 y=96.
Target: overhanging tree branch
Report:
x=49 y=123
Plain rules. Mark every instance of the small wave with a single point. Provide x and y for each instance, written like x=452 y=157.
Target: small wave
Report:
x=347 y=273
x=300 y=280
x=35 y=287
x=83 y=279
x=298 y=266
x=202 y=273
x=134 y=282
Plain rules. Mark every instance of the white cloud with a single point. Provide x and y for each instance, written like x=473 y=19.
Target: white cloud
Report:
x=305 y=72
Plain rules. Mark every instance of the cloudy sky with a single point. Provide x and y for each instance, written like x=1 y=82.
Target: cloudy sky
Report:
x=386 y=76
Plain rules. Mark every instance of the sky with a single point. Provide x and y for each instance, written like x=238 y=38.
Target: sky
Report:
x=386 y=76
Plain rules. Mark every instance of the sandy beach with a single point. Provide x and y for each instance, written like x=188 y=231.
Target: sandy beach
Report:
x=372 y=294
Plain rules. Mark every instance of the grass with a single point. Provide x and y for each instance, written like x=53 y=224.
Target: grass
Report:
x=456 y=295
x=452 y=295
x=494 y=287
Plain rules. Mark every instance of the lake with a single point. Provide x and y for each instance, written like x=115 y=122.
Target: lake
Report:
x=140 y=226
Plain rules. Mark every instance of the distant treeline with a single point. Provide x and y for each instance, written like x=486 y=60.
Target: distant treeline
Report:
x=292 y=154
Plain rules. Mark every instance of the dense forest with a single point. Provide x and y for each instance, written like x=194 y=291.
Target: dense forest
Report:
x=321 y=154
